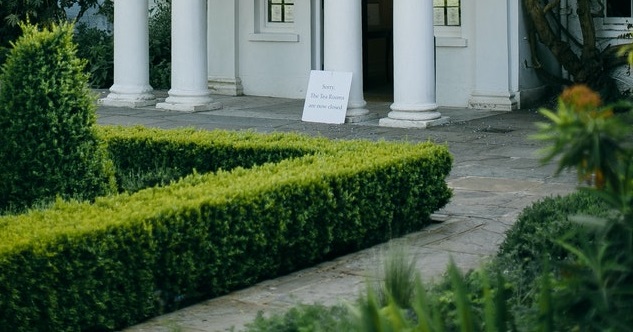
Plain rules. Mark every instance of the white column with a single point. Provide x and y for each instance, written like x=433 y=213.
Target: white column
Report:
x=493 y=71
x=414 y=103
x=189 y=90
x=131 y=56
x=343 y=50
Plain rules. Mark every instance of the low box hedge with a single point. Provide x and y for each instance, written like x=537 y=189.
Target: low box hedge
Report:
x=125 y=258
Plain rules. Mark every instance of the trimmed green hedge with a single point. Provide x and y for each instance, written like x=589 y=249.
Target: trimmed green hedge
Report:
x=125 y=258
x=530 y=241
x=139 y=151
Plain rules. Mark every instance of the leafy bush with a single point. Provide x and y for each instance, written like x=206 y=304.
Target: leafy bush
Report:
x=47 y=116
x=44 y=13
x=146 y=157
x=456 y=305
x=97 y=47
x=593 y=288
x=314 y=317
x=3 y=54
x=160 y=45
x=531 y=240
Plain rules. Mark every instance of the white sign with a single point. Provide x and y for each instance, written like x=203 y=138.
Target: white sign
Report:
x=327 y=96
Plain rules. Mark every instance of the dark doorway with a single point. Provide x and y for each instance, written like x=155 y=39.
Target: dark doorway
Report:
x=378 y=49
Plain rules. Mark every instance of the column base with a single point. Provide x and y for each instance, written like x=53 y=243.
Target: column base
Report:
x=126 y=103
x=361 y=117
x=189 y=108
x=360 y=114
x=356 y=117
x=226 y=86
x=189 y=101
x=413 y=115
x=494 y=102
x=129 y=96
x=399 y=123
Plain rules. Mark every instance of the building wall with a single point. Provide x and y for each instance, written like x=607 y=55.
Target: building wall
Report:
x=454 y=60
x=274 y=62
x=483 y=63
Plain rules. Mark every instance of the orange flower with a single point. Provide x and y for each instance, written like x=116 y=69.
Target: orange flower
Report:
x=581 y=97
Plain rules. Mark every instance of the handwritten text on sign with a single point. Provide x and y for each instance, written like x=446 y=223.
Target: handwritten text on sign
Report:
x=327 y=96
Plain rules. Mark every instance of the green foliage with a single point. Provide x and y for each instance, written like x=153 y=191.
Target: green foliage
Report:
x=453 y=307
x=47 y=116
x=303 y=317
x=531 y=240
x=399 y=275
x=97 y=48
x=585 y=135
x=160 y=45
x=593 y=289
x=147 y=157
x=42 y=12
x=3 y=53
x=128 y=257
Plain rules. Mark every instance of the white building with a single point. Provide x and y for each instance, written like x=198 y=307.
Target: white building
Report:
x=447 y=53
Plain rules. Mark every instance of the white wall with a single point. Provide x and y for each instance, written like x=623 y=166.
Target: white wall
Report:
x=275 y=63
x=454 y=60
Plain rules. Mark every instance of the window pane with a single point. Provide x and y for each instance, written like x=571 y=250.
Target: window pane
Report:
x=438 y=16
x=275 y=13
x=281 y=11
x=289 y=15
x=446 y=12
x=618 y=8
x=452 y=15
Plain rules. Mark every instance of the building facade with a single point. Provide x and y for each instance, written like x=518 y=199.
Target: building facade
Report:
x=428 y=53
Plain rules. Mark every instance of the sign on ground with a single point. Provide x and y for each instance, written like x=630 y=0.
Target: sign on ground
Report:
x=327 y=97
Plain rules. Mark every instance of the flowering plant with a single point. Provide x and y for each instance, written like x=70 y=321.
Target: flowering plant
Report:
x=586 y=135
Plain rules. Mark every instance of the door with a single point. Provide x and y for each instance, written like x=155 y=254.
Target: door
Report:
x=378 y=49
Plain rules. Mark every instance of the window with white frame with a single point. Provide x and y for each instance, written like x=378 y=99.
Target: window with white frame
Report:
x=280 y=11
x=447 y=13
x=616 y=12
x=274 y=21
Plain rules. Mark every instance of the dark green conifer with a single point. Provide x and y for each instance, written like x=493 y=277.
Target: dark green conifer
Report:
x=47 y=115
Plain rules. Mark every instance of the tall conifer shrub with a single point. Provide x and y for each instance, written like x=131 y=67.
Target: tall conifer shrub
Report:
x=47 y=116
